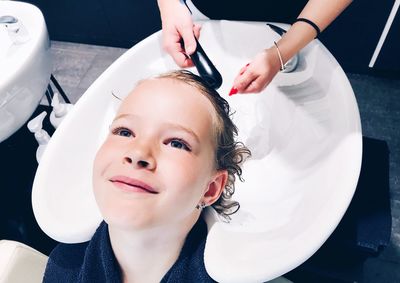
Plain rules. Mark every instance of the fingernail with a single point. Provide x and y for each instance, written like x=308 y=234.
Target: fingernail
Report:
x=190 y=49
x=233 y=91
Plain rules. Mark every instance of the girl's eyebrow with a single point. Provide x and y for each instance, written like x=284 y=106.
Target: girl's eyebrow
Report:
x=182 y=128
x=166 y=124
x=120 y=116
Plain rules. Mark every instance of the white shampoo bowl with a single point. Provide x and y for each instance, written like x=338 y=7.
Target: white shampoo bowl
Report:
x=25 y=65
x=304 y=131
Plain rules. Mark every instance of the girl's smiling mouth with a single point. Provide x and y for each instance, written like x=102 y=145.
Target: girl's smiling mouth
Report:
x=132 y=185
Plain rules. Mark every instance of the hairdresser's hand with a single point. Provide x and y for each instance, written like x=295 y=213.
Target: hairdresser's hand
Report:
x=255 y=76
x=177 y=25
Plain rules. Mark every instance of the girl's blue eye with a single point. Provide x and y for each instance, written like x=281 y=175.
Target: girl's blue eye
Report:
x=122 y=132
x=179 y=144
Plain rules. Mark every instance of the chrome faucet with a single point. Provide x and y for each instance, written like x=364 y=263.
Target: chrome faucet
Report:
x=292 y=63
x=8 y=20
x=16 y=30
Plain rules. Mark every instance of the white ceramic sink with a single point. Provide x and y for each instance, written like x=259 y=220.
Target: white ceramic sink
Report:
x=304 y=131
x=25 y=65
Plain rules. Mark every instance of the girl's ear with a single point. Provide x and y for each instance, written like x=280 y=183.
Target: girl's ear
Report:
x=215 y=187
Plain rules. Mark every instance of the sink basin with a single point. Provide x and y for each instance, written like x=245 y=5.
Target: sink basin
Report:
x=25 y=67
x=304 y=131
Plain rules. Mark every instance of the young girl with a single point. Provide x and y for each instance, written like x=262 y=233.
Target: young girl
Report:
x=171 y=151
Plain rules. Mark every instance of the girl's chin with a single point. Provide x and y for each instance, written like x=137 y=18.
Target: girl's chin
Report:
x=125 y=217
x=128 y=224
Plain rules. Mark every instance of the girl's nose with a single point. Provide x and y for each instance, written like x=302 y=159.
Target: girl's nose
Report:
x=140 y=157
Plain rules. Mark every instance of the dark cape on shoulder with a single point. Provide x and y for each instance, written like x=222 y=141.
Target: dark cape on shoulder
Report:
x=94 y=261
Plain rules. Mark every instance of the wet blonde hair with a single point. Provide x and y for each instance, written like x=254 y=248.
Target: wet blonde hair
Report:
x=229 y=154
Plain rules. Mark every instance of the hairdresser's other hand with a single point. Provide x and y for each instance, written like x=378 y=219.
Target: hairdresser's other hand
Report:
x=177 y=25
x=255 y=76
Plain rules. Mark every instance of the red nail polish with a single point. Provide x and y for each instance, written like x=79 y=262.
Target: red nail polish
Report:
x=233 y=91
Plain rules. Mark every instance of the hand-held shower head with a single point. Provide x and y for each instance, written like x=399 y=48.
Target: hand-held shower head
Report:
x=203 y=64
x=205 y=67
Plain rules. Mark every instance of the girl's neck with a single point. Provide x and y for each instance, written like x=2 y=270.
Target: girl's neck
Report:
x=147 y=255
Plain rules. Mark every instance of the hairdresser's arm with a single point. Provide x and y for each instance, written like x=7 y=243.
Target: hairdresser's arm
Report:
x=266 y=64
x=177 y=24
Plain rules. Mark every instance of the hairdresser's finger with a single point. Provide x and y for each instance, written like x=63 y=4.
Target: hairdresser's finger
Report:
x=196 y=30
x=255 y=86
x=175 y=49
x=188 y=39
x=171 y=44
x=181 y=59
x=186 y=61
x=234 y=90
x=241 y=72
x=243 y=81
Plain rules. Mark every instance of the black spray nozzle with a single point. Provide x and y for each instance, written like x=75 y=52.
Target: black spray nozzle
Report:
x=203 y=64
x=205 y=67
x=277 y=29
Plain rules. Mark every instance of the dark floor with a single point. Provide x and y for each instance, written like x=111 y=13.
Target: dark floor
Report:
x=76 y=66
x=379 y=103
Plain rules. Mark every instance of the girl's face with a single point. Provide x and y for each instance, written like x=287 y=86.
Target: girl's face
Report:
x=157 y=162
